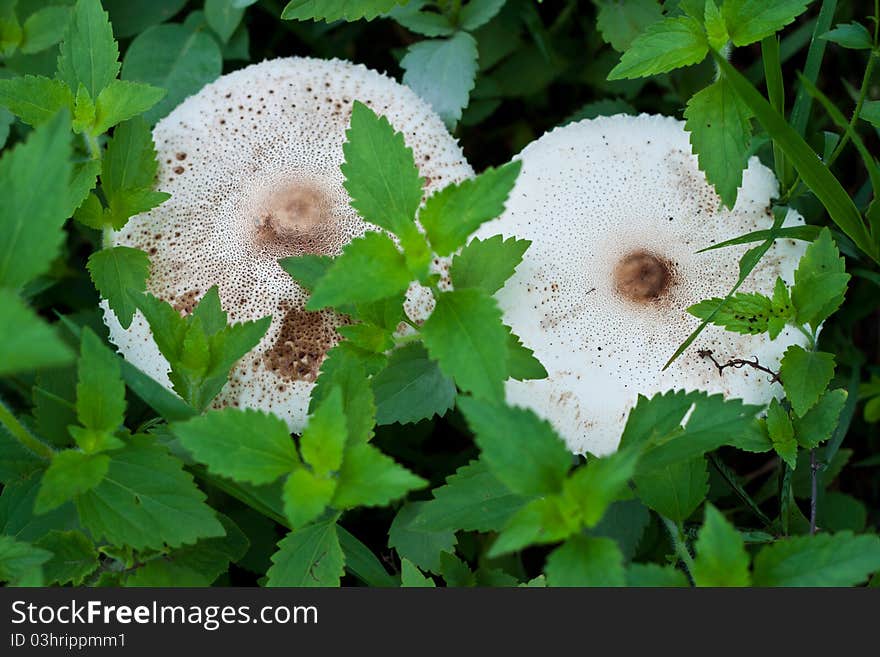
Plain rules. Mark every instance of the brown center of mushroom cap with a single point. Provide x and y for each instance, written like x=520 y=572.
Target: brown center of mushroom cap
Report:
x=642 y=276
x=296 y=219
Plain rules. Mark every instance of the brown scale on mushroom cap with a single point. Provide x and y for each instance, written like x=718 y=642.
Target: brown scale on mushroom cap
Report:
x=252 y=164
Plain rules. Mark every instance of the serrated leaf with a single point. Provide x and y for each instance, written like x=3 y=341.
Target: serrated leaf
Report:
x=721 y=558
x=544 y=520
x=70 y=473
x=675 y=490
x=307 y=557
x=594 y=487
x=44 y=28
x=28 y=343
x=720 y=135
x=453 y=213
x=820 y=281
x=245 y=445
x=521 y=362
x=334 y=10
x=34 y=179
x=21 y=563
x=35 y=99
x=370 y=478
x=380 y=174
x=464 y=334
x=805 y=376
x=781 y=433
x=89 y=54
x=305 y=496
x=344 y=369
x=488 y=263
x=584 y=561
x=479 y=12
x=751 y=20
x=521 y=449
x=427 y=23
x=370 y=268
x=73 y=557
x=665 y=45
x=120 y=275
x=653 y=575
x=418 y=544
x=323 y=440
x=411 y=387
x=621 y=22
x=820 y=421
x=841 y=559
x=442 y=72
x=850 y=35
x=472 y=499
x=122 y=100
x=174 y=58
x=100 y=391
x=410 y=576
x=308 y=269
x=146 y=500
x=745 y=312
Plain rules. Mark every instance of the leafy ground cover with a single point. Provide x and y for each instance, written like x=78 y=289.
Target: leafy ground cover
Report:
x=412 y=470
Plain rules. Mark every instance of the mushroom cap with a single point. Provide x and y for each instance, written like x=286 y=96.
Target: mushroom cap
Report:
x=616 y=208
x=252 y=165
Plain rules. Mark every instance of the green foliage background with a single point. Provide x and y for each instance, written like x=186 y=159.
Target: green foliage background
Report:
x=412 y=471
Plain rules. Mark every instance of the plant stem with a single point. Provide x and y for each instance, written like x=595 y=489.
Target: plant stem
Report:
x=814 y=490
x=676 y=537
x=18 y=431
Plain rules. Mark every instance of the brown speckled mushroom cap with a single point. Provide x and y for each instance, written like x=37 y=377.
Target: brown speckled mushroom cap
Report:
x=616 y=208
x=252 y=165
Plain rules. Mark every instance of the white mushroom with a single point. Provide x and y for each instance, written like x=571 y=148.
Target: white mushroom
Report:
x=616 y=208
x=252 y=164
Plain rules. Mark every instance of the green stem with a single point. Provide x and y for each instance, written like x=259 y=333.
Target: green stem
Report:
x=809 y=336
x=676 y=537
x=18 y=431
x=863 y=93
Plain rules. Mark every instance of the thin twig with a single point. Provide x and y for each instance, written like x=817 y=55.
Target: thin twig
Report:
x=738 y=363
x=814 y=490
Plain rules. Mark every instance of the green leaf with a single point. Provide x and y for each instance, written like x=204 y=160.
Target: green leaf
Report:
x=224 y=16
x=594 y=487
x=427 y=23
x=146 y=500
x=43 y=29
x=464 y=334
x=343 y=368
x=28 y=342
x=666 y=45
x=520 y=449
x=34 y=178
x=442 y=72
x=822 y=560
x=242 y=444
x=73 y=557
x=370 y=268
x=380 y=174
x=100 y=392
x=411 y=387
x=307 y=557
x=751 y=20
x=479 y=12
x=745 y=312
x=721 y=558
x=805 y=376
x=653 y=575
x=120 y=274
x=820 y=421
x=89 y=54
x=850 y=35
x=173 y=58
x=420 y=545
x=71 y=473
x=35 y=99
x=370 y=478
x=488 y=263
x=122 y=100
x=584 y=561
x=129 y=173
x=720 y=134
x=362 y=563
x=16 y=462
x=782 y=433
x=334 y=10
x=675 y=490
x=521 y=362
x=820 y=281
x=620 y=23
x=544 y=520
x=871 y=112
x=305 y=496
x=20 y=562
x=130 y=17
x=472 y=499
x=411 y=577
x=323 y=441
x=308 y=269
x=453 y=213
x=813 y=172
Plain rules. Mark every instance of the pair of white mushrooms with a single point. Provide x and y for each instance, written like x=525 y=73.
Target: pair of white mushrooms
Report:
x=615 y=208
